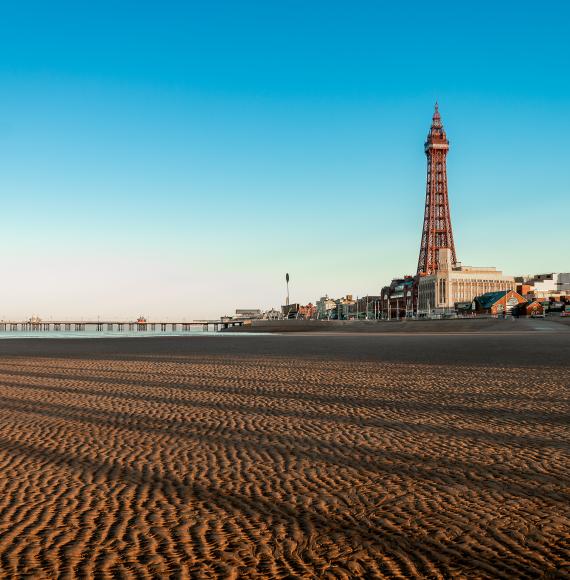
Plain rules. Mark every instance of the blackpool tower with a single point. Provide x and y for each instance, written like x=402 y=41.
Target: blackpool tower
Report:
x=436 y=233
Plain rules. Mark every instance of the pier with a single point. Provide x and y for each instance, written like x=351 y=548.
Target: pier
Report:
x=119 y=326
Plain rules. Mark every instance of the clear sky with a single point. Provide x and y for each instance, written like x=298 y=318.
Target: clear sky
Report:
x=175 y=159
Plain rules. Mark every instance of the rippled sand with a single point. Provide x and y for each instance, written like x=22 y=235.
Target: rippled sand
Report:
x=207 y=462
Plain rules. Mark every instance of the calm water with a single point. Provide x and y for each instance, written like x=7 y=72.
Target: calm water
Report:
x=113 y=334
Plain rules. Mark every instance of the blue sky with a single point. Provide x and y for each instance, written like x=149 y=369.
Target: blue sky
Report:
x=177 y=159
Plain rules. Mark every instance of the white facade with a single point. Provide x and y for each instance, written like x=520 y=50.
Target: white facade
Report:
x=549 y=285
x=544 y=283
x=453 y=283
x=248 y=313
x=272 y=314
x=324 y=306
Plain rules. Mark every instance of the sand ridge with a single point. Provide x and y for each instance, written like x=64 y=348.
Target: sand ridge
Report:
x=204 y=466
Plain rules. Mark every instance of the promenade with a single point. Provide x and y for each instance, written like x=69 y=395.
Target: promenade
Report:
x=423 y=326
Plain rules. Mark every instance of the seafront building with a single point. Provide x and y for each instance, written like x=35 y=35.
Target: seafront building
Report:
x=297 y=310
x=497 y=303
x=397 y=299
x=451 y=284
x=254 y=314
x=271 y=314
x=552 y=286
x=325 y=307
x=248 y=313
x=366 y=308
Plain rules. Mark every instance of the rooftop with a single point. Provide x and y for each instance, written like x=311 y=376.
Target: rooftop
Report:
x=489 y=298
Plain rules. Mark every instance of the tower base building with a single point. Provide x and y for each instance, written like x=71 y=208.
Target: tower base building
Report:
x=451 y=284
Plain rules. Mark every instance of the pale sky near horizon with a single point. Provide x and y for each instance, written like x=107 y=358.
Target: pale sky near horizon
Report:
x=177 y=160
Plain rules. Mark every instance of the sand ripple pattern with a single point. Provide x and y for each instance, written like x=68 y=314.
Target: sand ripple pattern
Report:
x=207 y=467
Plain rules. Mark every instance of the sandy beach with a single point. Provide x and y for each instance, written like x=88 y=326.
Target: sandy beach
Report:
x=387 y=456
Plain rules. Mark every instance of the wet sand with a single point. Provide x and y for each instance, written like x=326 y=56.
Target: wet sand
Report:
x=395 y=456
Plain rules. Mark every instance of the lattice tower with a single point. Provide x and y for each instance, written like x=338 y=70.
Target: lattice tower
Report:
x=437 y=232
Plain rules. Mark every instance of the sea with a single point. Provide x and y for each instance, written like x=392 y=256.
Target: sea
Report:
x=93 y=333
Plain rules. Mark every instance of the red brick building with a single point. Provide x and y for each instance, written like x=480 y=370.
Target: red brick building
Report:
x=495 y=303
x=534 y=308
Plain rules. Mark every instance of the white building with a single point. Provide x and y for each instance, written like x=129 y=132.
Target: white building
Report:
x=248 y=313
x=325 y=306
x=271 y=314
x=452 y=283
x=552 y=285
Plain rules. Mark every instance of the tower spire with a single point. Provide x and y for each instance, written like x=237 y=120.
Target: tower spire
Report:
x=436 y=124
x=437 y=233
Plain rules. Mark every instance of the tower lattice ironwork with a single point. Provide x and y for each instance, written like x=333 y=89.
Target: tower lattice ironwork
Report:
x=437 y=232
